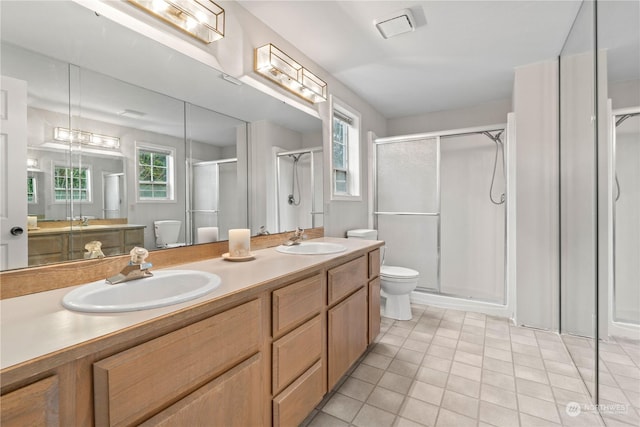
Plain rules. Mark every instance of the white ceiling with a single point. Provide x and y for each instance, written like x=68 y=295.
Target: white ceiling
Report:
x=44 y=36
x=462 y=53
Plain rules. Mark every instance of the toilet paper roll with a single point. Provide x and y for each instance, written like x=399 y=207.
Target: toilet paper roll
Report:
x=207 y=234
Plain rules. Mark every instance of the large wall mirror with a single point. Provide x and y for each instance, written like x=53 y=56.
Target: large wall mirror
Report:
x=129 y=142
x=579 y=195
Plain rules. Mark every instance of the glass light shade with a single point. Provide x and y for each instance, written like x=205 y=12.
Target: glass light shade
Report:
x=202 y=19
x=87 y=138
x=276 y=65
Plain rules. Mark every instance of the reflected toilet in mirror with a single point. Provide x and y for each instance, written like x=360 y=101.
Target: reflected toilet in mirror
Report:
x=207 y=234
x=167 y=233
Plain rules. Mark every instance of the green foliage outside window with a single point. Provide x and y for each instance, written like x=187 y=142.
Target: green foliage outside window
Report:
x=339 y=152
x=153 y=175
x=71 y=184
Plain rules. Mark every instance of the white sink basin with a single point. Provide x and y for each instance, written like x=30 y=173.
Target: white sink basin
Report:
x=166 y=287
x=312 y=248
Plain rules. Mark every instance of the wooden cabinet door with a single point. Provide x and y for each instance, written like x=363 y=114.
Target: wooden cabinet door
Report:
x=236 y=398
x=374 y=309
x=33 y=405
x=347 y=327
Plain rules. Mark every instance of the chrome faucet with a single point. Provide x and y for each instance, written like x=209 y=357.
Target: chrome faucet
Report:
x=296 y=238
x=85 y=220
x=136 y=269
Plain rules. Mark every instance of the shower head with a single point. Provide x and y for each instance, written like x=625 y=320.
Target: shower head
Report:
x=495 y=138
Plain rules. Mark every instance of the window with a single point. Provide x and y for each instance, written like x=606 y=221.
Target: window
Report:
x=32 y=190
x=72 y=184
x=345 y=153
x=155 y=173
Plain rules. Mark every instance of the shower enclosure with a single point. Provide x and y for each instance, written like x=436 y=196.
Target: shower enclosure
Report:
x=299 y=189
x=625 y=295
x=439 y=205
x=215 y=197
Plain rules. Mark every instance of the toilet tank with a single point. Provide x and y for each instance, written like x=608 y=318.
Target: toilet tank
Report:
x=167 y=231
x=363 y=233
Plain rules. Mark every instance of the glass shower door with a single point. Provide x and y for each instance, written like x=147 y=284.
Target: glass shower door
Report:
x=407 y=211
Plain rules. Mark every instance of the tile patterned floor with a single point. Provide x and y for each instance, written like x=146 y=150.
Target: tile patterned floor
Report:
x=455 y=368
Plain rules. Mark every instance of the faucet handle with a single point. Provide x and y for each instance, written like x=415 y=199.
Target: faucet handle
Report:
x=138 y=255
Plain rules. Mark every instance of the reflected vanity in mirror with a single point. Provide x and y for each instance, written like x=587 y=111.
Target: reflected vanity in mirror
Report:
x=121 y=153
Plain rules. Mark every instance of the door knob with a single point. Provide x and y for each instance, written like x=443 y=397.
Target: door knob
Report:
x=16 y=231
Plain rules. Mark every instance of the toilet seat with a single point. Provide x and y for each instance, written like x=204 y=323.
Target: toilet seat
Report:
x=394 y=272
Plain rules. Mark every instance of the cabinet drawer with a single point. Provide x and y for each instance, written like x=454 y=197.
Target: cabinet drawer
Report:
x=233 y=399
x=133 y=385
x=33 y=405
x=297 y=401
x=108 y=238
x=134 y=237
x=44 y=245
x=295 y=352
x=374 y=264
x=296 y=303
x=346 y=278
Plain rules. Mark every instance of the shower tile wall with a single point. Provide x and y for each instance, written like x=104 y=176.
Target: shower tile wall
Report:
x=473 y=228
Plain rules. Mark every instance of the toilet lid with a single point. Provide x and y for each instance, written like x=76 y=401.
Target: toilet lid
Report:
x=398 y=272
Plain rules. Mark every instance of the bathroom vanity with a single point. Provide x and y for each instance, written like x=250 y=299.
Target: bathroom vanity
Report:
x=63 y=243
x=262 y=349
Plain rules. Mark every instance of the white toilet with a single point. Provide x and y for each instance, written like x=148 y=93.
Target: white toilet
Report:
x=396 y=283
x=167 y=233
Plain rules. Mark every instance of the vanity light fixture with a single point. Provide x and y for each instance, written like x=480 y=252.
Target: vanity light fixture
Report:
x=276 y=65
x=86 y=138
x=202 y=19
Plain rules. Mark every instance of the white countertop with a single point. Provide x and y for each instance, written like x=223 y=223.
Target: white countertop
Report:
x=35 y=325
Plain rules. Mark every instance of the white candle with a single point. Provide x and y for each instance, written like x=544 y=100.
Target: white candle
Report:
x=239 y=242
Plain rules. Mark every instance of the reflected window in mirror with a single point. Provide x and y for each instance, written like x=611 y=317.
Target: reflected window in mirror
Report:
x=155 y=173
x=32 y=189
x=71 y=184
x=345 y=152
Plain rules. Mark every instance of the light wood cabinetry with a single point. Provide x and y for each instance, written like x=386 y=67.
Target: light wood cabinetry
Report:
x=131 y=386
x=32 y=405
x=267 y=354
x=295 y=352
x=298 y=374
x=343 y=280
x=374 y=295
x=296 y=303
x=233 y=399
x=298 y=400
x=347 y=334
x=57 y=245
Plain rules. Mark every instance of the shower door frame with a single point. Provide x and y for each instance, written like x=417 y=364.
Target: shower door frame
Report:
x=438 y=136
x=312 y=182
x=619 y=327
x=216 y=212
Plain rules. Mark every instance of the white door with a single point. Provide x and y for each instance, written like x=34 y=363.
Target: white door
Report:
x=112 y=198
x=13 y=173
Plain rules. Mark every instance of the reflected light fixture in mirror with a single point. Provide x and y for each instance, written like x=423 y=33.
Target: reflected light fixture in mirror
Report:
x=202 y=19
x=87 y=138
x=276 y=65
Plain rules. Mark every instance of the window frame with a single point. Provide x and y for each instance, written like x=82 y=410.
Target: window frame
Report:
x=88 y=187
x=170 y=153
x=34 y=194
x=352 y=153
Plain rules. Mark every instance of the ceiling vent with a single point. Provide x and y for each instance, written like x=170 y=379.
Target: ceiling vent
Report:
x=395 y=24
